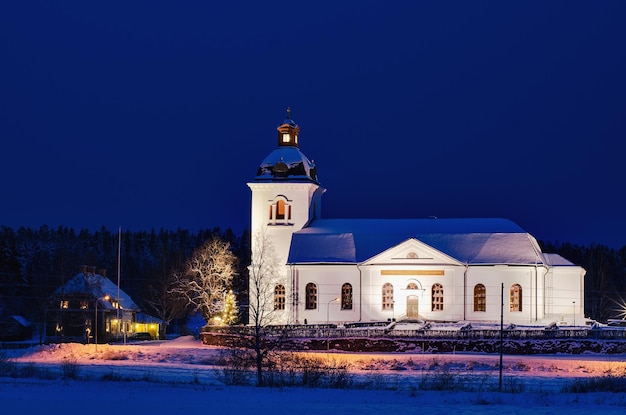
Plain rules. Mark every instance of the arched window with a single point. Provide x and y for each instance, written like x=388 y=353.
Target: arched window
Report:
x=311 y=296
x=412 y=286
x=516 y=298
x=387 y=296
x=346 y=296
x=280 y=212
x=480 y=298
x=437 y=297
x=280 y=209
x=279 y=297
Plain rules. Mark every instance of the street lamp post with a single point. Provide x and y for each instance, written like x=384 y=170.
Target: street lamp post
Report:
x=105 y=298
x=328 y=323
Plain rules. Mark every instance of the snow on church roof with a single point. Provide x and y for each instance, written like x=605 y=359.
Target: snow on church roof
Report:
x=286 y=163
x=470 y=241
x=557 y=260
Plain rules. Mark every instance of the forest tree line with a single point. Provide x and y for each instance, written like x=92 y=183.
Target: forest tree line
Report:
x=35 y=262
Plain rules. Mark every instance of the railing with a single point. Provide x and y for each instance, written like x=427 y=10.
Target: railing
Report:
x=332 y=331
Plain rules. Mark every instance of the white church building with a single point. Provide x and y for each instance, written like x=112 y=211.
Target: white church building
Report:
x=372 y=270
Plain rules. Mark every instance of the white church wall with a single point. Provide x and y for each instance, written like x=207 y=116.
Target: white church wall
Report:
x=277 y=230
x=297 y=198
x=492 y=277
x=568 y=301
x=329 y=280
x=412 y=292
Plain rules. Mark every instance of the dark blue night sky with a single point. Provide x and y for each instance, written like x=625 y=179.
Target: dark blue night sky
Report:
x=155 y=114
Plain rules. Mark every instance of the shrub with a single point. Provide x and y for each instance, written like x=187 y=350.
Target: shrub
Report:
x=70 y=367
x=7 y=366
x=235 y=367
x=114 y=355
x=113 y=377
x=441 y=380
x=608 y=383
x=512 y=384
x=29 y=370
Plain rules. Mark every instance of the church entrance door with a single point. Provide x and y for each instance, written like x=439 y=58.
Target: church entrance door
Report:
x=412 y=303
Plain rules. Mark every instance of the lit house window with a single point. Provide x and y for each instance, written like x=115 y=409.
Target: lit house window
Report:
x=83 y=305
x=279 y=297
x=437 y=297
x=387 y=296
x=311 y=296
x=346 y=297
x=480 y=298
x=516 y=298
x=65 y=304
x=280 y=212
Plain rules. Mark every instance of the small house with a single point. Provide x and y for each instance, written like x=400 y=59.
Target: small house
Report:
x=90 y=308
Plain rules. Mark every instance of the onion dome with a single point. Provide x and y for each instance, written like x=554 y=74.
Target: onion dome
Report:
x=287 y=162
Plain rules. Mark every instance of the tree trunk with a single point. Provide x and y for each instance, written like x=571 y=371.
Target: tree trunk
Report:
x=259 y=356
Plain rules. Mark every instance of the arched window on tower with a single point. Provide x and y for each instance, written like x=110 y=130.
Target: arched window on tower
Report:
x=311 y=296
x=279 y=297
x=516 y=298
x=437 y=297
x=480 y=298
x=346 y=296
x=387 y=296
x=280 y=212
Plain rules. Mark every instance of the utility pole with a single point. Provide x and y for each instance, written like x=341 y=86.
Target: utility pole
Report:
x=501 y=330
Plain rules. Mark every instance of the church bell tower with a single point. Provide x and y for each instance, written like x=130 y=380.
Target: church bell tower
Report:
x=286 y=196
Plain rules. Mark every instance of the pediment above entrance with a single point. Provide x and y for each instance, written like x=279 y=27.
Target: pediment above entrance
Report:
x=412 y=252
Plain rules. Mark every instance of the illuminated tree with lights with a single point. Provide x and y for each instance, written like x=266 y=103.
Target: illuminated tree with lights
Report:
x=206 y=278
x=229 y=314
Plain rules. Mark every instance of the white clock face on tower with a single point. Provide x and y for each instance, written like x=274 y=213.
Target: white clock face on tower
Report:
x=286 y=138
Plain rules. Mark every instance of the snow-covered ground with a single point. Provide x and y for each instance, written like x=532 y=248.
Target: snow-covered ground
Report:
x=182 y=374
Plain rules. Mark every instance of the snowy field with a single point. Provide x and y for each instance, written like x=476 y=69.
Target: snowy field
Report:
x=182 y=374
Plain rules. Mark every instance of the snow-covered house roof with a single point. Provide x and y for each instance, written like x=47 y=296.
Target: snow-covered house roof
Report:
x=470 y=241
x=96 y=286
x=21 y=320
x=147 y=319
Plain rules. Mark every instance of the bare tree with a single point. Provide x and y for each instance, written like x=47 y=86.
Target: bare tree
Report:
x=263 y=271
x=206 y=278
x=164 y=303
